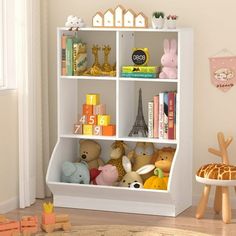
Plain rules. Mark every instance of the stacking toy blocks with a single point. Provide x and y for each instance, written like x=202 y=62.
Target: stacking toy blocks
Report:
x=94 y=120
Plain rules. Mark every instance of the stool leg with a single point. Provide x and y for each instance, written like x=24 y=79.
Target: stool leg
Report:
x=203 y=202
x=218 y=200
x=226 y=208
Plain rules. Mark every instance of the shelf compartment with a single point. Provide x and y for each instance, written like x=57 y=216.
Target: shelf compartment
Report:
x=93 y=38
x=128 y=102
x=85 y=196
x=152 y=40
x=73 y=96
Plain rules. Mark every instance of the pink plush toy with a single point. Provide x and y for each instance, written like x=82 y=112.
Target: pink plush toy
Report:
x=108 y=175
x=169 y=60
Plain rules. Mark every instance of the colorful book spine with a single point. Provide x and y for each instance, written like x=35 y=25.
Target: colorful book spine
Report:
x=63 y=54
x=69 y=56
x=161 y=115
x=139 y=69
x=175 y=116
x=165 y=119
x=171 y=111
x=138 y=75
x=156 y=116
x=150 y=119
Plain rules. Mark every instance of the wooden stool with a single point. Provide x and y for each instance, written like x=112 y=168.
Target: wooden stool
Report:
x=222 y=175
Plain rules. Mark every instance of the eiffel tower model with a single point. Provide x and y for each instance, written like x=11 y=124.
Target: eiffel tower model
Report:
x=140 y=128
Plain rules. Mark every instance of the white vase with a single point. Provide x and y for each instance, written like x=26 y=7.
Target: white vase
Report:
x=171 y=24
x=158 y=23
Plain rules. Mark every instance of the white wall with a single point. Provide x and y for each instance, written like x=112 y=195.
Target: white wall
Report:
x=214 y=28
x=8 y=151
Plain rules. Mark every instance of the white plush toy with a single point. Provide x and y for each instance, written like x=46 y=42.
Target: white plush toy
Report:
x=74 y=22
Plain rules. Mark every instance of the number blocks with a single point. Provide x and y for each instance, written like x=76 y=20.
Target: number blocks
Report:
x=94 y=120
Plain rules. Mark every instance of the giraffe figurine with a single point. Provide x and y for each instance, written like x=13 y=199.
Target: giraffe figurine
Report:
x=222 y=175
x=106 y=65
x=95 y=50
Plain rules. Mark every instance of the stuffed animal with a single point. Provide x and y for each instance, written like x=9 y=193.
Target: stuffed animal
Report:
x=169 y=60
x=74 y=22
x=158 y=181
x=118 y=151
x=90 y=153
x=142 y=155
x=108 y=175
x=133 y=177
x=164 y=159
x=75 y=173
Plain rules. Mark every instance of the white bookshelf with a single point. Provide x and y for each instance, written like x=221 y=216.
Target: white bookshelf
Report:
x=121 y=98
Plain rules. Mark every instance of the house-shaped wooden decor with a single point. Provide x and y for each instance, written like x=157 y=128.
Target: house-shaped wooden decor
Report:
x=119 y=16
x=141 y=21
x=109 y=18
x=129 y=17
x=98 y=20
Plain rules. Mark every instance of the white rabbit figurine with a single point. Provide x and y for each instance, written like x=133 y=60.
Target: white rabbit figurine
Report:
x=169 y=60
x=132 y=179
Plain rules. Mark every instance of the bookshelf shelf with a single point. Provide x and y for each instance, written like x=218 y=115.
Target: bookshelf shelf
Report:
x=156 y=80
x=88 y=137
x=121 y=98
x=89 y=77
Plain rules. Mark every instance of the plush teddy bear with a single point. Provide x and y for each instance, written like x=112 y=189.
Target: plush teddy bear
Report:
x=164 y=159
x=141 y=156
x=90 y=152
x=75 y=173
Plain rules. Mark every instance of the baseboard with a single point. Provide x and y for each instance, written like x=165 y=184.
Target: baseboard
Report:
x=9 y=205
x=196 y=199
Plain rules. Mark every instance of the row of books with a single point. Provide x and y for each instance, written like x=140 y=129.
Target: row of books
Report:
x=73 y=55
x=139 y=71
x=162 y=116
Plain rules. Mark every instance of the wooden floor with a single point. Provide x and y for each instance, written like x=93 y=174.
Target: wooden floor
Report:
x=211 y=224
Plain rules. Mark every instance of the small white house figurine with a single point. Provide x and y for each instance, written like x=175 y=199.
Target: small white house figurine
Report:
x=98 y=20
x=74 y=22
x=129 y=17
x=109 y=18
x=119 y=16
x=141 y=21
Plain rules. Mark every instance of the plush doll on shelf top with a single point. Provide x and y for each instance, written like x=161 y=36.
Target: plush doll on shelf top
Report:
x=90 y=153
x=169 y=60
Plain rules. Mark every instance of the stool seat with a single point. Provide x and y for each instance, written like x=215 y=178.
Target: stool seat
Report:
x=222 y=175
x=215 y=182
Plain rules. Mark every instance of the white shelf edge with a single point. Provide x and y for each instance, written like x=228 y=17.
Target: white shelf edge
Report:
x=131 y=139
x=124 y=29
x=153 y=140
x=95 y=137
x=107 y=187
x=157 y=80
x=89 y=77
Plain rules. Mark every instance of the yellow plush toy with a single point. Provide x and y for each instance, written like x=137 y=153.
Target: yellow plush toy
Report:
x=156 y=182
